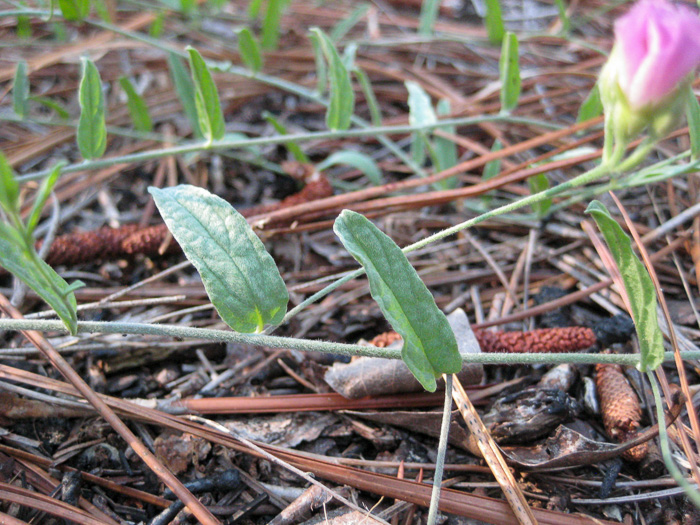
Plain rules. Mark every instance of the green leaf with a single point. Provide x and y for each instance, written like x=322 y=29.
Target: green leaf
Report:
x=693 y=113
x=9 y=189
x=187 y=6
x=494 y=22
x=342 y=101
x=428 y=15
x=292 y=147
x=591 y=107
x=155 y=30
x=206 y=98
x=430 y=347
x=24 y=263
x=491 y=169
x=41 y=197
x=420 y=113
x=185 y=91
x=20 y=90
x=445 y=149
x=240 y=277
x=24 y=27
x=74 y=9
x=510 y=73
x=60 y=110
x=374 y=111
x=249 y=49
x=357 y=160
x=271 y=23
x=92 y=135
x=346 y=24
x=254 y=8
x=539 y=183
x=638 y=285
x=103 y=11
x=565 y=22
x=137 y=106
x=321 y=67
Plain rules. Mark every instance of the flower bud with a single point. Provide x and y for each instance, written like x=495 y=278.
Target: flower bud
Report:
x=656 y=51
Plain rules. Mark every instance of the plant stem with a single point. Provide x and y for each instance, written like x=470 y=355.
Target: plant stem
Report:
x=224 y=144
x=689 y=489
x=227 y=336
x=590 y=176
x=442 y=451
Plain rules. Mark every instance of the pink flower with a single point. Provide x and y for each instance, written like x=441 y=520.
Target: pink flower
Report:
x=659 y=45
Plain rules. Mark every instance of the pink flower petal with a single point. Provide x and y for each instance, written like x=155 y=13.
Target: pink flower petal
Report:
x=660 y=45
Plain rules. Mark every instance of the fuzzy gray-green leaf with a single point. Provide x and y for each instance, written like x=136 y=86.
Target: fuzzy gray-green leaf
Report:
x=430 y=347
x=92 y=134
x=638 y=284
x=240 y=277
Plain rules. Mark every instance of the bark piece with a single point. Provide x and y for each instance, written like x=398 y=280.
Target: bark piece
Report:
x=369 y=376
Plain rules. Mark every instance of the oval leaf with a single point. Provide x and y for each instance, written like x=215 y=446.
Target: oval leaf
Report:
x=240 y=277
x=206 y=98
x=92 y=135
x=430 y=347
x=249 y=50
x=638 y=284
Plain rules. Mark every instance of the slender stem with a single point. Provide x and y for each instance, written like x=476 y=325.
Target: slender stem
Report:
x=637 y=156
x=224 y=144
x=442 y=451
x=689 y=489
x=227 y=336
x=608 y=139
x=590 y=176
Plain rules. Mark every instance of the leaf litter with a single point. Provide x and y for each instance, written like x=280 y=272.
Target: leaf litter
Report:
x=553 y=279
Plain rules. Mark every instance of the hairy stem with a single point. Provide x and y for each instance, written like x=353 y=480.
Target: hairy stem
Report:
x=226 y=336
x=442 y=451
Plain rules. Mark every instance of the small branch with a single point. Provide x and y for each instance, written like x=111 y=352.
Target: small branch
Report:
x=442 y=451
x=225 y=336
